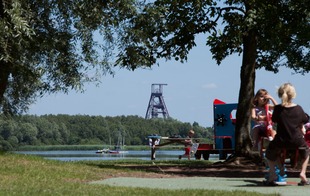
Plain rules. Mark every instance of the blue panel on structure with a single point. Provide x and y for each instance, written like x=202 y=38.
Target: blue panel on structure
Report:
x=224 y=125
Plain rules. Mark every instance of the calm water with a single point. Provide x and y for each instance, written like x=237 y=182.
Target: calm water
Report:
x=92 y=155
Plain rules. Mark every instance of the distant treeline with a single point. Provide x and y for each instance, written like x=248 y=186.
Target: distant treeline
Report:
x=88 y=130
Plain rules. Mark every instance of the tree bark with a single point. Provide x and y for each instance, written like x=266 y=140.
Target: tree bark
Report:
x=246 y=92
x=4 y=73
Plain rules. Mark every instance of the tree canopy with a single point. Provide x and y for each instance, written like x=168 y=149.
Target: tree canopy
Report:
x=167 y=29
x=48 y=46
x=268 y=34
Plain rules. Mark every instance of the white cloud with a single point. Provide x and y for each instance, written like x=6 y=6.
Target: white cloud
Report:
x=209 y=86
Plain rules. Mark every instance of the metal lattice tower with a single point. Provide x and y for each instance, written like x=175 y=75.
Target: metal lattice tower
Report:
x=156 y=104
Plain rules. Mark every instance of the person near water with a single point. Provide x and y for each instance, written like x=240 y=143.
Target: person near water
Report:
x=188 y=142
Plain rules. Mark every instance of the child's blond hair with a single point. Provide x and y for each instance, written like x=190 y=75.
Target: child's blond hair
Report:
x=286 y=93
x=191 y=132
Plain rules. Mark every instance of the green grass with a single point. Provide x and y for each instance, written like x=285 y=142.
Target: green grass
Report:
x=31 y=175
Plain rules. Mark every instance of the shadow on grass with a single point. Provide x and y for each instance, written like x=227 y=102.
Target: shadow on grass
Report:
x=185 y=168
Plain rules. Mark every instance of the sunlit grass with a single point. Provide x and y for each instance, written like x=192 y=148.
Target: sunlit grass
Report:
x=31 y=175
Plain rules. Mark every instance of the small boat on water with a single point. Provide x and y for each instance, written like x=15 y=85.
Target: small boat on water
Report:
x=116 y=150
x=105 y=150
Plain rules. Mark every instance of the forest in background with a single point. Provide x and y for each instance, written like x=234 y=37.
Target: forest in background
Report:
x=63 y=129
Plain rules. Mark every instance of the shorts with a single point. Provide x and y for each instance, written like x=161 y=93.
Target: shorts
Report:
x=261 y=130
x=187 y=150
x=276 y=146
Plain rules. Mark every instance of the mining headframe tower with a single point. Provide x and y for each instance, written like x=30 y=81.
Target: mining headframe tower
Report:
x=157 y=104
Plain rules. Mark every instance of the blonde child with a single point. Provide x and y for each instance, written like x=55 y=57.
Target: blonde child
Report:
x=288 y=117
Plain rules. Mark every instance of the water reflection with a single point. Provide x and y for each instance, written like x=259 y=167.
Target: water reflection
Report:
x=92 y=155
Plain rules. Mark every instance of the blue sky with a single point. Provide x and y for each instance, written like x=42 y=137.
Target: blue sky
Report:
x=189 y=95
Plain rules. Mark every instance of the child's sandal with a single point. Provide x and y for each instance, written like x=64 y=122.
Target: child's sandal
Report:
x=304 y=183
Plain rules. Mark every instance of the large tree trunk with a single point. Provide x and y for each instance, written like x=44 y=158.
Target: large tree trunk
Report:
x=4 y=77
x=4 y=73
x=243 y=115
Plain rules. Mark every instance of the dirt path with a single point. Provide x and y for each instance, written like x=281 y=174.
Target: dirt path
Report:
x=218 y=169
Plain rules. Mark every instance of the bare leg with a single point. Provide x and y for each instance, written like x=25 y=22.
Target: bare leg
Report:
x=255 y=138
x=273 y=133
x=302 y=174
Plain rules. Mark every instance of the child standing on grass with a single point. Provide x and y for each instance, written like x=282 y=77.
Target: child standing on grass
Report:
x=188 y=145
x=261 y=114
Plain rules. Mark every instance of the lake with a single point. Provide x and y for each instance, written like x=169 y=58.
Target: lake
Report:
x=81 y=155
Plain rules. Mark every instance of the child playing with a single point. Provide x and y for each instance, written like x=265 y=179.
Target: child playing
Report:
x=188 y=144
x=288 y=117
x=261 y=114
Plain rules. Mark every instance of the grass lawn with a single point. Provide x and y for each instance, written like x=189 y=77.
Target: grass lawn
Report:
x=31 y=175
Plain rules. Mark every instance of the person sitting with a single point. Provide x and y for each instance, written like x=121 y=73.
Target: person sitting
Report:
x=261 y=114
